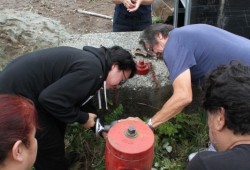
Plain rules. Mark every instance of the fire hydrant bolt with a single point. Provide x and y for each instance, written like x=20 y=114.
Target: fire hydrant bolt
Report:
x=131 y=132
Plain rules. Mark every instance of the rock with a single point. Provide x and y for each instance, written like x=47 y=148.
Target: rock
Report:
x=22 y=32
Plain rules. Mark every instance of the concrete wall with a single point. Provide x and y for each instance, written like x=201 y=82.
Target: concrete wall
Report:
x=139 y=95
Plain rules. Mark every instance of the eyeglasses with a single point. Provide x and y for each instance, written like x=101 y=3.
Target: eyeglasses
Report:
x=124 y=80
x=150 y=49
x=151 y=52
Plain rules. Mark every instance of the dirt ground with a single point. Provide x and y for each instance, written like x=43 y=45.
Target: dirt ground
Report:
x=67 y=13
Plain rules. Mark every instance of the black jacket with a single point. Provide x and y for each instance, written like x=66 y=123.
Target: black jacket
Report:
x=58 y=80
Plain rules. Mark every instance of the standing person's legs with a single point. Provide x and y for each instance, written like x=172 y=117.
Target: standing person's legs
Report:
x=142 y=22
x=50 y=138
x=121 y=23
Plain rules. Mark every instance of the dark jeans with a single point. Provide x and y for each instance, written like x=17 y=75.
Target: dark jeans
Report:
x=50 y=138
x=122 y=22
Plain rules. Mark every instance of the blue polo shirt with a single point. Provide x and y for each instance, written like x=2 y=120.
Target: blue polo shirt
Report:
x=201 y=48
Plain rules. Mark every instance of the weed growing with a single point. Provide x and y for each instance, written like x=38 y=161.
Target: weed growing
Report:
x=174 y=141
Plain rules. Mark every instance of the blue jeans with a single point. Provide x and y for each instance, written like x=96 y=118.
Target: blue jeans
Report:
x=123 y=22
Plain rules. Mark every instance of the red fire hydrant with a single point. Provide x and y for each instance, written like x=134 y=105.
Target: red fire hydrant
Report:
x=142 y=67
x=129 y=146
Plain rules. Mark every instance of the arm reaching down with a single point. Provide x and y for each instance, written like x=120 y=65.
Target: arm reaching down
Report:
x=182 y=96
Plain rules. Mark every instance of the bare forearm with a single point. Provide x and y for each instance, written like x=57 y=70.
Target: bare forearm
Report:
x=170 y=109
x=146 y=2
x=181 y=97
x=117 y=1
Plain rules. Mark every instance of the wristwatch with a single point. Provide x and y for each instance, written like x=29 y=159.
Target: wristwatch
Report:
x=149 y=123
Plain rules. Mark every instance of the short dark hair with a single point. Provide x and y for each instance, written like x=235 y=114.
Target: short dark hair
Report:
x=122 y=58
x=228 y=86
x=148 y=36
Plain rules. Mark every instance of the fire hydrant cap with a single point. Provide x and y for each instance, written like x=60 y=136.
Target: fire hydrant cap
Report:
x=130 y=139
x=142 y=68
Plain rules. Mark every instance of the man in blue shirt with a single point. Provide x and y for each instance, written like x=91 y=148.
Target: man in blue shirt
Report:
x=190 y=52
x=132 y=15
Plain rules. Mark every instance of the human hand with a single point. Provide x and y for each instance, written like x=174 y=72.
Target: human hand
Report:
x=104 y=135
x=136 y=5
x=129 y=4
x=91 y=121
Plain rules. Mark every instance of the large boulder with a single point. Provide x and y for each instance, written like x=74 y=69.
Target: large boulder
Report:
x=22 y=31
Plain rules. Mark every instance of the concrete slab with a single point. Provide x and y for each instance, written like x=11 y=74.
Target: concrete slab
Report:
x=140 y=95
x=129 y=41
